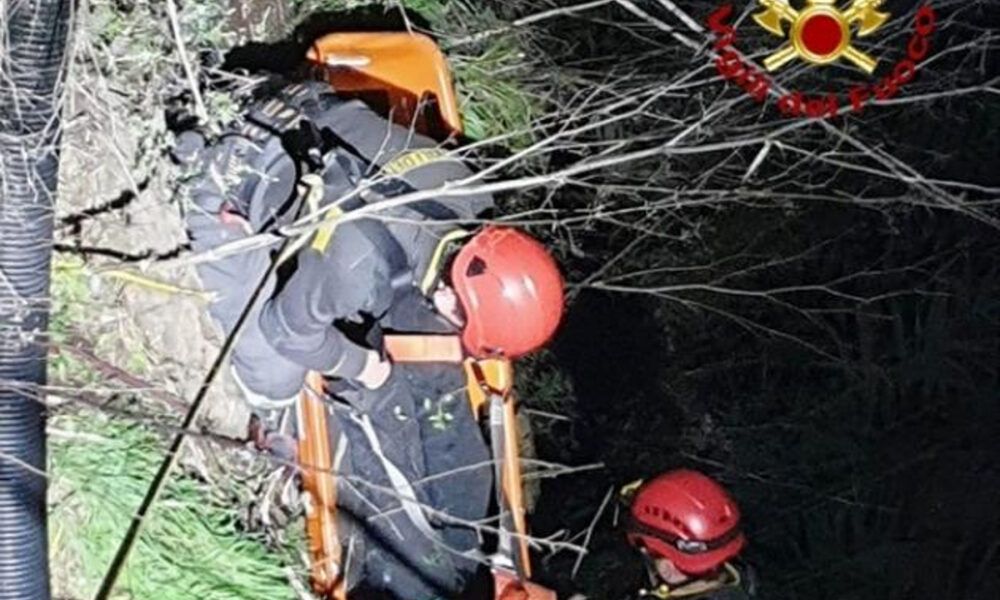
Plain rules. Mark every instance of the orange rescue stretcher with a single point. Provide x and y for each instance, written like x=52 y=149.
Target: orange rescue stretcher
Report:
x=403 y=74
x=407 y=76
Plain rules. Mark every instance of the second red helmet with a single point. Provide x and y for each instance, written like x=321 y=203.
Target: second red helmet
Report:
x=687 y=518
x=511 y=291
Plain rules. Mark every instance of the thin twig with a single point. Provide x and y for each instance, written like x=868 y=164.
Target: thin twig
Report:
x=590 y=530
x=199 y=105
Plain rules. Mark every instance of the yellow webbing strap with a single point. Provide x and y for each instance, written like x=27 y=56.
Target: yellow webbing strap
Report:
x=325 y=231
x=312 y=193
x=156 y=285
x=629 y=489
x=434 y=266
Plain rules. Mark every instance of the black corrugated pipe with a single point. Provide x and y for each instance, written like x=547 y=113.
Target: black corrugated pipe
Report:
x=31 y=71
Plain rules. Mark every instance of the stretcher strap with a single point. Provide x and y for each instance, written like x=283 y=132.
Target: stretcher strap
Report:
x=406 y=494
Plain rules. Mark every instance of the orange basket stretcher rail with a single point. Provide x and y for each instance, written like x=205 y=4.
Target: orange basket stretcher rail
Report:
x=490 y=385
x=507 y=586
x=318 y=480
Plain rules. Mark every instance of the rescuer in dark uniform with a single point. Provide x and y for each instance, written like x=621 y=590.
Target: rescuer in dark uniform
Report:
x=414 y=474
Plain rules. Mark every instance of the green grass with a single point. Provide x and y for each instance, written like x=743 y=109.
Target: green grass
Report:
x=190 y=547
x=493 y=100
x=73 y=312
x=71 y=306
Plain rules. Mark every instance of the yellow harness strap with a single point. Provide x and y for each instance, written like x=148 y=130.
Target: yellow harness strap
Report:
x=434 y=266
x=311 y=188
x=325 y=231
x=628 y=491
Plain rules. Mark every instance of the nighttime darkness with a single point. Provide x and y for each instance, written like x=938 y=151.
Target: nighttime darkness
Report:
x=499 y=300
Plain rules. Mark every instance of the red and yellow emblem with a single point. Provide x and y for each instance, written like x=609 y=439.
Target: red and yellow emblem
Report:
x=820 y=33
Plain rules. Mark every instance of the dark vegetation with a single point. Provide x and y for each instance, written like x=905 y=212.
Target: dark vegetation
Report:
x=823 y=340
x=867 y=472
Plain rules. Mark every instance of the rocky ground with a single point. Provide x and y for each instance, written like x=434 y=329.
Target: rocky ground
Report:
x=135 y=219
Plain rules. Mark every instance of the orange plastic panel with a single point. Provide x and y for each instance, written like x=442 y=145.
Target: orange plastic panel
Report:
x=421 y=348
x=487 y=379
x=407 y=67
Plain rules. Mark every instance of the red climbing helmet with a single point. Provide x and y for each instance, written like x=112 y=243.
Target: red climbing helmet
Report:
x=511 y=291
x=687 y=518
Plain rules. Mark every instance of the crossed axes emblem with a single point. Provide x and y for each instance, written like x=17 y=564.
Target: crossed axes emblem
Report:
x=820 y=33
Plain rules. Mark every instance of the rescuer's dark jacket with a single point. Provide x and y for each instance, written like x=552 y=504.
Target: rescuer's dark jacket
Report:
x=314 y=306
x=415 y=464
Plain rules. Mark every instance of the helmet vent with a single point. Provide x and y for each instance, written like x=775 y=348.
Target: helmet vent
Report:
x=477 y=266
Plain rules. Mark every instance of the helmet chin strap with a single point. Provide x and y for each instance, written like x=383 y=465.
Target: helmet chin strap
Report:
x=663 y=591
x=657 y=587
x=653 y=573
x=692 y=587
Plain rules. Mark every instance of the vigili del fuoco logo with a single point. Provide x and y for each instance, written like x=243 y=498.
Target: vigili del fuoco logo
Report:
x=821 y=33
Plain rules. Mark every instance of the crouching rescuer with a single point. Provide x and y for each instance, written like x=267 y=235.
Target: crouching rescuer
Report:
x=414 y=474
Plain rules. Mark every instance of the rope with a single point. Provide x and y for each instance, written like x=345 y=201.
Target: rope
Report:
x=156 y=285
